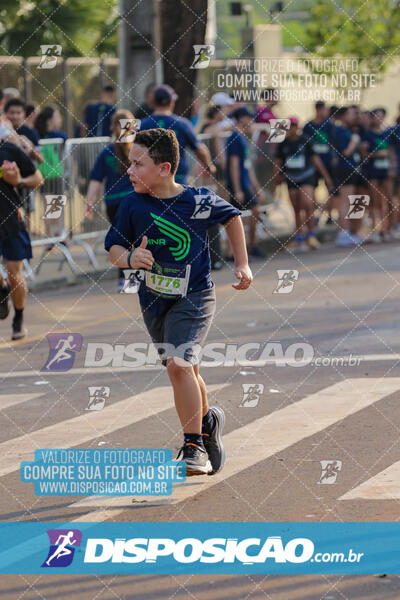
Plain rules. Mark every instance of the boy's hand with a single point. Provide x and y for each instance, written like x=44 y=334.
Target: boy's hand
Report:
x=244 y=274
x=142 y=258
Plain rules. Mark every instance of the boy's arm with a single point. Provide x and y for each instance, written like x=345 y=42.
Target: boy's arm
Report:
x=235 y=233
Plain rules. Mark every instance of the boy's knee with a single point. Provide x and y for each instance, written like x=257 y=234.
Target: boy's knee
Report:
x=178 y=367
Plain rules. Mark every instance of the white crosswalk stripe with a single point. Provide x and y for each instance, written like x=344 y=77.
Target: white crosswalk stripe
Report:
x=265 y=437
x=7 y=400
x=92 y=424
x=383 y=486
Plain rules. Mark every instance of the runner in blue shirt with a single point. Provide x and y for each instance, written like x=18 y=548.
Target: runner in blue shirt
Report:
x=297 y=164
x=111 y=167
x=97 y=118
x=164 y=99
x=161 y=231
x=348 y=146
x=319 y=131
x=245 y=191
x=382 y=163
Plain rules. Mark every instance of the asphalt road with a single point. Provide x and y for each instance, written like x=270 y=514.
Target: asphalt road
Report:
x=344 y=412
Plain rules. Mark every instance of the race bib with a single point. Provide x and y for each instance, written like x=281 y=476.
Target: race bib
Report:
x=381 y=163
x=296 y=162
x=168 y=280
x=321 y=148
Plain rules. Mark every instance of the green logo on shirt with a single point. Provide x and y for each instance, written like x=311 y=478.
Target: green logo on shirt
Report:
x=179 y=235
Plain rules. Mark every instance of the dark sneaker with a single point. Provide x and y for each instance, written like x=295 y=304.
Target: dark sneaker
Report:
x=196 y=460
x=18 y=329
x=213 y=442
x=257 y=253
x=4 y=302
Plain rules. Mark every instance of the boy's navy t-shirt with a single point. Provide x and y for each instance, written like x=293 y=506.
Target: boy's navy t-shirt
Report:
x=184 y=132
x=186 y=217
x=106 y=168
x=238 y=145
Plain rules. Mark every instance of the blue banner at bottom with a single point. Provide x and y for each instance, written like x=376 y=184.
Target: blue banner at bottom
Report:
x=192 y=548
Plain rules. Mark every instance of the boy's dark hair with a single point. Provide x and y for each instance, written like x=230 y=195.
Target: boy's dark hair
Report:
x=14 y=102
x=319 y=104
x=161 y=145
x=108 y=89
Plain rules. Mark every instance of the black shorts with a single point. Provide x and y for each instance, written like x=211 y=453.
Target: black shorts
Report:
x=346 y=177
x=296 y=185
x=184 y=326
x=250 y=201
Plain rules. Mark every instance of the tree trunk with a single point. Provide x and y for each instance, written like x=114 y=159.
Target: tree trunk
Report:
x=183 y=24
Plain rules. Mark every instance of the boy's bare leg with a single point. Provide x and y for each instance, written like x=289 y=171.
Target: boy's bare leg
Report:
x=202 y=388
x=187 y=395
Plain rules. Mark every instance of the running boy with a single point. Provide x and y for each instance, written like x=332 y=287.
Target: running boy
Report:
x=161 y=229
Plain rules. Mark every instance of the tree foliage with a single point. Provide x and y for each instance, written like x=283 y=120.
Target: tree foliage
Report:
x=82 y=28
x=365 y=30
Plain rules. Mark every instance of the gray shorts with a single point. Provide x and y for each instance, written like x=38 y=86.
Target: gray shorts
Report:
x=185 y=326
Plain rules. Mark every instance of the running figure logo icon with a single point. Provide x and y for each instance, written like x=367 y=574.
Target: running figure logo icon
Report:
x=133 y=279
x=329 y=471
x=97 y=397
x=279 y=127
x=251 y=394
x=358 y=204
x=204 y=204
x=50 y=54
x=62 y=351
x=129 y=127
x=202 y=55
x=62 y=547
x=54 y=206
x=286 y=280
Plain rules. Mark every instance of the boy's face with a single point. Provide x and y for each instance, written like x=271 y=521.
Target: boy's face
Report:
x=144 y=173
x=16 y=114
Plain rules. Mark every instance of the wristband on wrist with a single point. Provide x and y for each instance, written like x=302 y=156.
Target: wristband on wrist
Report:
x=128 y=260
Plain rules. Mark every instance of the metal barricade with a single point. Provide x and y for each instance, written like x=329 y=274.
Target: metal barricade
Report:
x=66 y=171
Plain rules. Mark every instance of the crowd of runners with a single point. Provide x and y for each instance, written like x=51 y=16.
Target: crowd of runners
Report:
x=339 y=169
